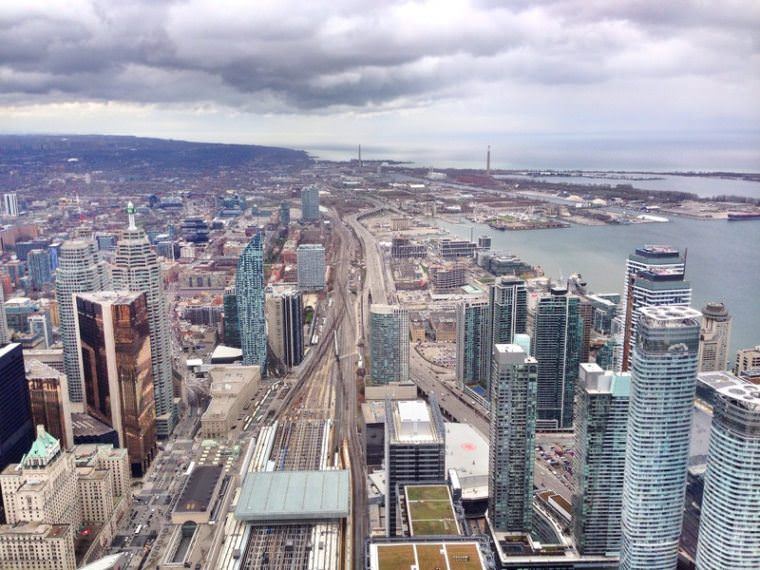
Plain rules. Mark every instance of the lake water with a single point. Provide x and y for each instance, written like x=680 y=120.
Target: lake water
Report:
x=723 y=259
x=703 y=186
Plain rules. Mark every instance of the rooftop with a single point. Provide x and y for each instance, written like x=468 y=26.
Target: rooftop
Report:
x=448 y=555
x=413 y=422
x=279 y=496
x=199 y=489
x=748 y=395
x=430 y=510
x=467 y=454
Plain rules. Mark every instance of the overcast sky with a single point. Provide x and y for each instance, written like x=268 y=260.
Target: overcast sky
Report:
x=566 y=83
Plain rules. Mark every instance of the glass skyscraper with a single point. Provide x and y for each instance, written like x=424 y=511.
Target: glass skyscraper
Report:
x=729 y=527
x=80 y=270
x=512 y=439
x=473 y=342
x=663 y=382
x=556 y=336
x=249 y=288
x=231 y=324
x=509 y=306
x=389 y=344
x=136 y=268
x=601 y=422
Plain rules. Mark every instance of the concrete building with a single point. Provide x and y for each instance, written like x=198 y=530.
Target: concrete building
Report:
x=114 y=346
x=601 y=422
x=37 y=546
x=49 y=396
x=714 y=338
x=453 y=248
x=311 y=267
x=284 y=315
x=556 y=331
x=663 y=383
x=249 y=287
x=389 y=344
x=10 y=204
x=80 y=270
x=404 y=248
x=514 y=377
x=65 y=489
x=310 y=204
x=415 y=450
x=747 y=359
x=665 y=269
x=136 y=268
x=729 y=529
x=232 y=387
x=447 y=277
x=285 y=214
x=473 y=342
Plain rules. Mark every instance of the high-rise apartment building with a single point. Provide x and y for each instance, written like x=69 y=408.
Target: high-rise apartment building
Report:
x=415 y=449
x=389 y=344
x=663 y=382
x=114 y=343
x=284 y=214
x=10 y=204
x=310 y=264
x=654 y=276
x=136 y=268
x=509 y=305
x=473 y=342
x=729 y=527
x=556 y=331
x=601 y=422
x=715 y=337
x=5 y=336
x=249 y=287
x=40 y=269
x=310 y=204
x=512 y=439
x=80 y=270
x=49 y=396
x=747 y=359
x=284 y=314
x=231 y=324
x=37 y=546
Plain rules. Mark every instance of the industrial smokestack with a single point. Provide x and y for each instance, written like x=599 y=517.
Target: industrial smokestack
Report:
x=488 y=161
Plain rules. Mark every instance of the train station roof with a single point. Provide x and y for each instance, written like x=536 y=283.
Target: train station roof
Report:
x=285 y=496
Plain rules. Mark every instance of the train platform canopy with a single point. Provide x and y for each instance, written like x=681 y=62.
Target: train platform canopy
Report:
x=288 y=496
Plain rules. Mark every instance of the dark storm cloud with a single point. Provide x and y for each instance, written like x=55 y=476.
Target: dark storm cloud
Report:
x=282 y=57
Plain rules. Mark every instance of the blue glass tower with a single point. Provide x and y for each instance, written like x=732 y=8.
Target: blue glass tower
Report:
x=249 y=288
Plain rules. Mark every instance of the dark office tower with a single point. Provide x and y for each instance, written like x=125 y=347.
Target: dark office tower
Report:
x=136 y=268
x=114 y=342
x=512 y=439
x=415 y=449
x=663 y=383
x=473 y=342
x=601 y=427
x=16 y=425
x=80 y=270
x=509 y=306
x=249 y=287
x=49 y=395
x=556 y=337
x=284 y=314
x=587 y=316
x=231 y=324
x=284 y=214
x=310 y=204
x=729 y=528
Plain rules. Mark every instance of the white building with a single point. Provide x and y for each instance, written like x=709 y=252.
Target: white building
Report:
x=37 y=546
x=714 y=338
x=10 y=204
x=232 y=387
